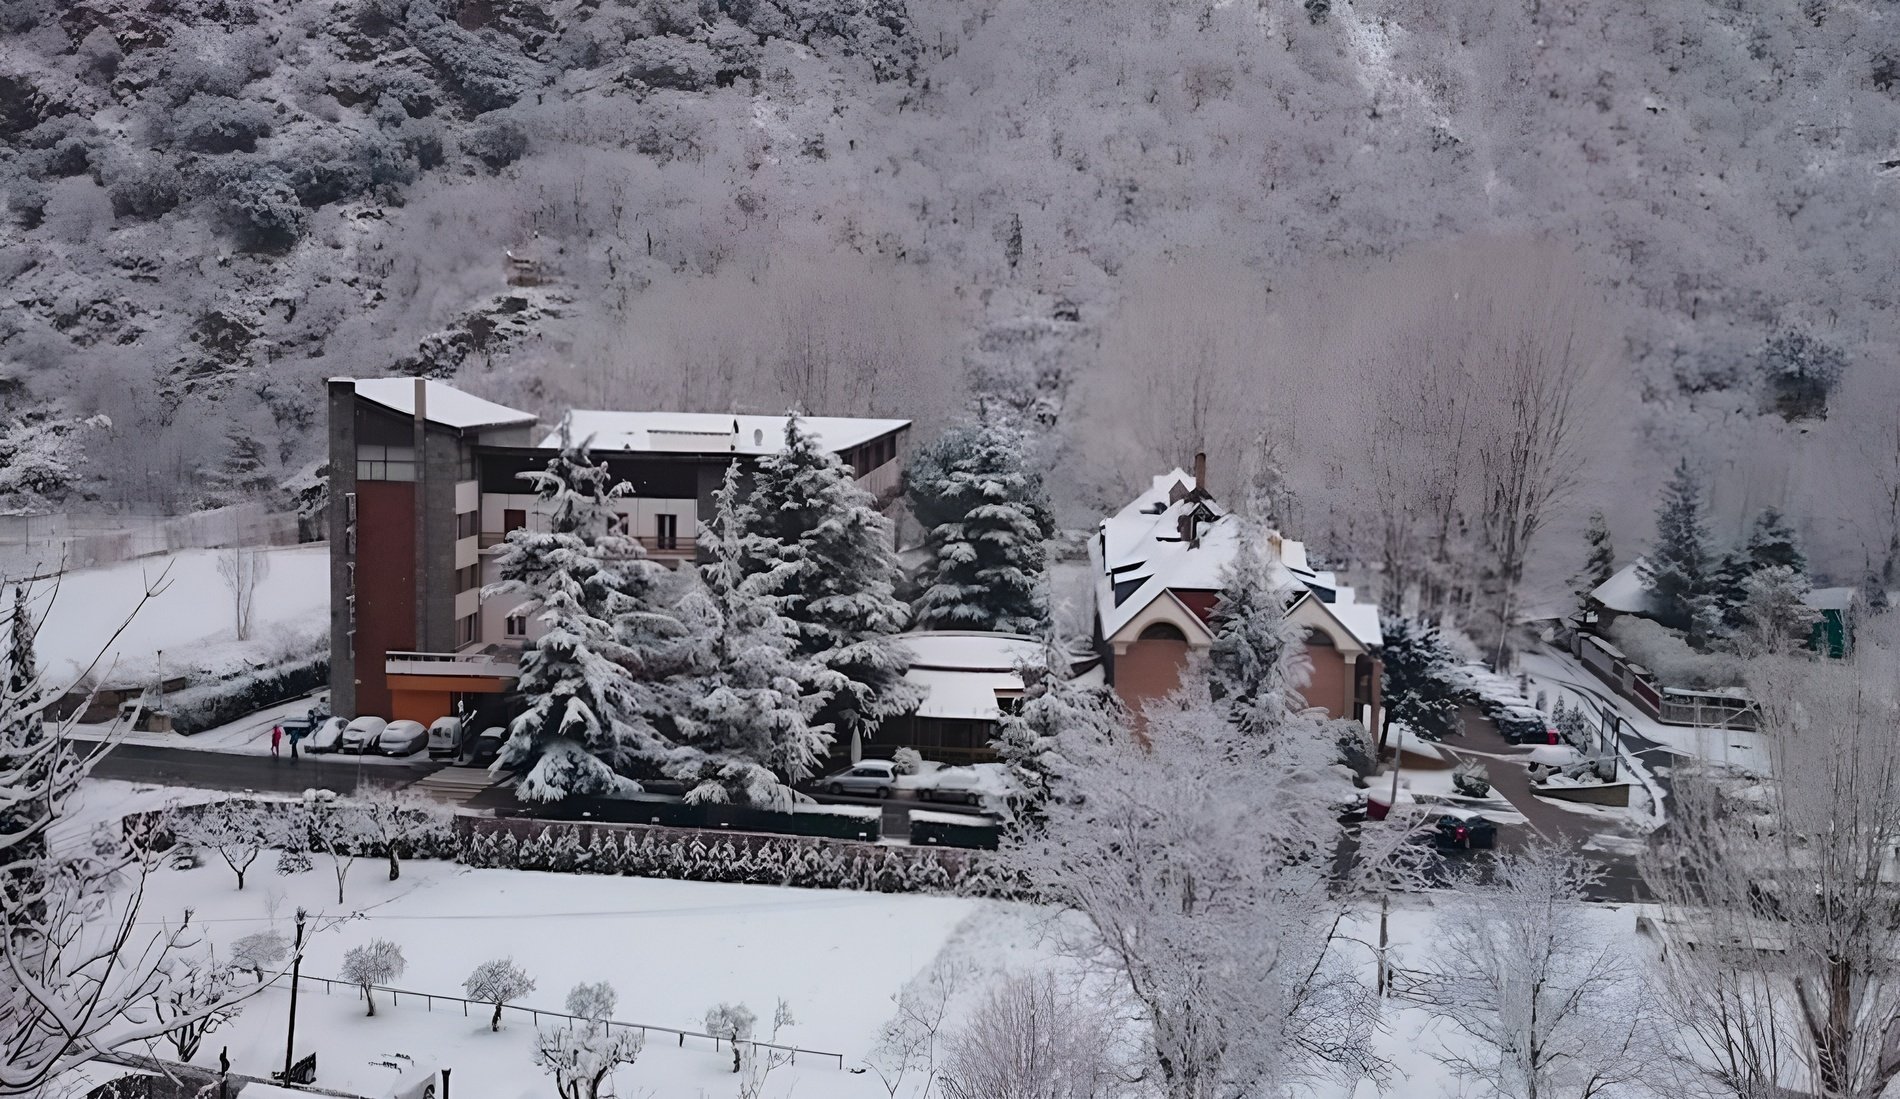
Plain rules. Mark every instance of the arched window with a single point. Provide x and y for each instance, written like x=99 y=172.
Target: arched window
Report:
x=1163 y=631
x=1319 y=638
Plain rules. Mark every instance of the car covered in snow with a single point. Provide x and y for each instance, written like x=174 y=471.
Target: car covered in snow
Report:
x=327 y=737
x=360 y=735
x=402 y=738
x=1525 y=725
x=964 y=784
x=873 y=778
x=445 y=738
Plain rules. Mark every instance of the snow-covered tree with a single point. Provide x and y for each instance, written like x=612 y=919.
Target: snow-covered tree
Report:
x=397 y=818
x=376 y=962
x=242 y=569
x=1772 y=543
x=1774 y=609
x=749 y=718
x=580 y=1058
x=1416 y=687
x=1053 y=703
x=1677 y=569
x=234 y=829
x=831 y=556
x=734 y=1023
x=591 y=682
x=1551 y=1005
x=339 y=829
x=592 y=1001
x=1223 y=945
x=989 y=522
x=41 y=456
x=1033 y=1036
x=497 y=981
x=1257 y=664
x=199 y=998
x=1599 y=563
x=243 y=472
x=258 y=951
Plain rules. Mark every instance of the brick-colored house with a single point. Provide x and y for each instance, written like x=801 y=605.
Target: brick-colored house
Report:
x=1157 y=565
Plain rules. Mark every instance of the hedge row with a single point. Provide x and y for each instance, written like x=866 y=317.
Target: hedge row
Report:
x=199 y=708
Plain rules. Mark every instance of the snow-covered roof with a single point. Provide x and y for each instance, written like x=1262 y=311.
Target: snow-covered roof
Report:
x=1142 y=542
x=969 y=650
x=966 y=695
x=1830 y=599
x=962 y=672
x=1625 y=592
x=442 y=404
x=715 y=432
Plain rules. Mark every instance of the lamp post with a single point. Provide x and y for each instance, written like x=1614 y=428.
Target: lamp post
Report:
x=296 y=965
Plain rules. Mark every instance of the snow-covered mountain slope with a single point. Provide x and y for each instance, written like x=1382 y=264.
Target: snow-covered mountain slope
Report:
x=212 y=204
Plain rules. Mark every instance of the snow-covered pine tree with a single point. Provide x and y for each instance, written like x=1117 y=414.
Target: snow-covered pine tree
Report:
x=590 y=680
x=1728 y=591
x=1599 y=564
x=991 y=525
x=1677 y=570
x=1772 y=542
x=1053 y=702
x=244 y=472
x=1416 y=685
x=748 y=732
x=832 y=558
x=1257 y=664
x=22 y=737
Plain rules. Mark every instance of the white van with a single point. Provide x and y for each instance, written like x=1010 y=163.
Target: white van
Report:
x=445 y=738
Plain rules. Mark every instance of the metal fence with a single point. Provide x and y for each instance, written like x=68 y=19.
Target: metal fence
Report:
x=430 y=999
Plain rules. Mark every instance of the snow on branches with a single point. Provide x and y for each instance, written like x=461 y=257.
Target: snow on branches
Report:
x=989 y=522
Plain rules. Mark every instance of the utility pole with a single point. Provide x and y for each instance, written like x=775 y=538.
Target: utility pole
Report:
x=296 y=965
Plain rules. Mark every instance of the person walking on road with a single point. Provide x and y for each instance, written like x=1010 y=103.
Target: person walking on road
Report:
x=276 y=738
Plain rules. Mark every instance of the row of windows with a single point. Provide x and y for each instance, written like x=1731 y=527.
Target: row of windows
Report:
x=666 y=528
x=398 y=463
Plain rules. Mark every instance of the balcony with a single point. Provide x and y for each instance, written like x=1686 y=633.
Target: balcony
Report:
x=680 y=548
x=483 y=665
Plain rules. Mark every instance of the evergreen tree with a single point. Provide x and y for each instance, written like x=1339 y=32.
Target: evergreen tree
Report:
x=832 y=560
x=1053 y=704
x=1772 y=543
x=244 y=471
x=23 y=748
x=749 y=717
x=1728 y=590
x=1677 y=571
x=1599 y=564
x=593 y=681
x=1257 y=664
x=990 y=521
x=1417 y=686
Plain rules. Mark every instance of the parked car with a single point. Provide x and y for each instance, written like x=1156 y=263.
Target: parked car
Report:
x=1526 y=725
x=871 y=777
x=402 y=738
x=1465 y=832
x=445 y=738
x=360 y=735
x=953 y=784
x=487 y=746
x=327 y=737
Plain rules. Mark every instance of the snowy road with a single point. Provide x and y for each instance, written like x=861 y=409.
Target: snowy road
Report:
x=230 y=771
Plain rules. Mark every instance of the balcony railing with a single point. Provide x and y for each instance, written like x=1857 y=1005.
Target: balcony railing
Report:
x=681 y=546
x=491 y=665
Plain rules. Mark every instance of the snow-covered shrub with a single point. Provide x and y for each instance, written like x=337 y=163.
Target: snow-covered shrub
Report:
x=261 y=208
x=1469 y=779
x=906 y=761
x=338 y=170
x=486 y=76
x=497 y=144
x=581 y=1058
x=144 y=189
x=1670 y=659
x=1801 y=370
x=593 y=1002
x=196 y=709
x=730 y=1021
x=215 y=124
x=258 y=951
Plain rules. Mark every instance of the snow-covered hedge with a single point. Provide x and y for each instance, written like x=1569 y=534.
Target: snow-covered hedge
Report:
x=1670 y=660
x=196 y=709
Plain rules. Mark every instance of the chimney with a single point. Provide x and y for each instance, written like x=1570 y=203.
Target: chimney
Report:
x=1200 y=470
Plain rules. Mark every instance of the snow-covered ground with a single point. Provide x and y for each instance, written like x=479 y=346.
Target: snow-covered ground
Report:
x=189 y=620
x=1560 y=674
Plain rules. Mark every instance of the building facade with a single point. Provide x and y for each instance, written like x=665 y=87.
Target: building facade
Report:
x=1158 y=566
x=414 y=540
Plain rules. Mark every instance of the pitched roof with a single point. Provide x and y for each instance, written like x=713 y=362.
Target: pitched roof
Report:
x=442 y=403
x=1626 y=592
x=1142 y=543
x=715 y=432
x=963 y=672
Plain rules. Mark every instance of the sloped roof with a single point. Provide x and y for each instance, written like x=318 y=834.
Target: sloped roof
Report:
x=442 y=404
x=1626 y=592
x=1830 y=599
x=963 y=672
x=970 y=650
x=714 y=432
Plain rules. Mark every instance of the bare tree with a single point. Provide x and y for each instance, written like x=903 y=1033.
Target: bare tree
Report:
x=498 y=982
x=593 y=1002
x=909 y=1040
x=1780 y=927
x=199 y=998
x=233 y=828
x=377 y=962
x=1032 y=1038
x=1552 y=1007
x=340 y=829
x=242 y=568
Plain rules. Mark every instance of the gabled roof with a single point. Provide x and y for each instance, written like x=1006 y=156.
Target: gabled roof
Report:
x=714 y=432
x=1626 y=592
x=963 y=673
x=442 y=404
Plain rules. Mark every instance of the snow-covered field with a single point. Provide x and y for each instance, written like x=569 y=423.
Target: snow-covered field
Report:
x=189 y=620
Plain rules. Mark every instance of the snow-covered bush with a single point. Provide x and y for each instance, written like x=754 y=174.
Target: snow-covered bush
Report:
x=1802 y=370
x=1469 y=779
x=498 y=981
x=258 y=951
x=580 y=1058
x=1670 y=659
x=215 y=124
x=906 y=761
x=261 y=208
x=378 y=962
x=497 y=144
x=487 y=76
x=1032 y=1036
x=593 y=1002
x=207 y=706
x=144 y=189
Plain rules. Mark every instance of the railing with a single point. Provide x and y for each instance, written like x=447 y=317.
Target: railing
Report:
x=1633 y=681
x=429 y=1000
x=679 y=546
x=484 y=664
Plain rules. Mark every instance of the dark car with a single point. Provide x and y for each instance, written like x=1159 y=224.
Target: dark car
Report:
x=486 y=747
x=1465 y=832
x=1525 y=726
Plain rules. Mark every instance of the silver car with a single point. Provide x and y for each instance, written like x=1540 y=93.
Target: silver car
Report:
x=870 y=778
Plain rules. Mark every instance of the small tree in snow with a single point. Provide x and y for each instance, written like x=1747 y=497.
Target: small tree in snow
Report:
x=376 y=963
x=497 y=982
x=199 y=999
x=909 y=1039
x=990 y=522
x=593 y=1002
x=1052 y=703
x=258 y=951
x=1774 y=609
x=1772 y=543
x=580 y=1058
x=1257 y=663
x=1677 y=569
x=1033 y=1037
x=734 y=1023
x=1416 y=685
x=1599 y=562
x=1551 y=1006
x=338 y=829
x=392 y=818
x=232 y=828
x=243 y=568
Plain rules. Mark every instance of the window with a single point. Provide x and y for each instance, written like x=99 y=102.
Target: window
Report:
x=465 y=631
x=468 y=579
x=516 y=625
x=468 y=524
x=669 y=532
x=385 y=463
x=514 y=519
